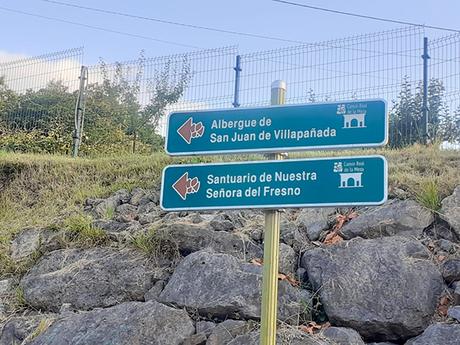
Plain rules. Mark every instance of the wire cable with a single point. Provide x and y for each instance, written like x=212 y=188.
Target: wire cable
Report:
x=251 y=35
x=365 y=16
x=97 y=28
x=163 y=21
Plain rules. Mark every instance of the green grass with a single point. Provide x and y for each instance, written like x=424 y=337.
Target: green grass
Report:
x=428 y=195
x=39 y=190
x=154 y=244
x=80 y=230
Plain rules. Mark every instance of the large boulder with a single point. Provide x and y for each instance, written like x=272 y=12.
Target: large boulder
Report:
x=439 y=333
x=190 y=238
x=131 y=323
x=396 y=217
x=386 y=289
x=450 y=210
x=88 y=278
x=220 y=285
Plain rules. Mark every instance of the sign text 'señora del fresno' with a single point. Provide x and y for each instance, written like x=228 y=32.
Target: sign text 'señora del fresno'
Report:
x=278 y=128
x=271 y=184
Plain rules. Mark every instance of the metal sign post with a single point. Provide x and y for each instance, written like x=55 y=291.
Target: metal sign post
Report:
x=271 y=249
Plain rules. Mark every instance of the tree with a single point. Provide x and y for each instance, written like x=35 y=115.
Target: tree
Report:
x=406 y=115
x=117 y=104
x=450 y=126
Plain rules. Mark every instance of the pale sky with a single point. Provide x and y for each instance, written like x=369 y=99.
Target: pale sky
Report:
x=28 y=36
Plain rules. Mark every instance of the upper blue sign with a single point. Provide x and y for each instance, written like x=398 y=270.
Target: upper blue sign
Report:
x=278 y=128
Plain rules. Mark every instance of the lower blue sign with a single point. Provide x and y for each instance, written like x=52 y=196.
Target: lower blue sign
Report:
x=338 y=181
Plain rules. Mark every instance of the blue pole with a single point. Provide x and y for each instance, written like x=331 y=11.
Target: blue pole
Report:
x=237 y=68
x=425 y=57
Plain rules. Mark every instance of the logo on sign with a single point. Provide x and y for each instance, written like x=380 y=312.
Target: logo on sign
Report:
x=190 y=130
x=350 y=174
x=185 y=185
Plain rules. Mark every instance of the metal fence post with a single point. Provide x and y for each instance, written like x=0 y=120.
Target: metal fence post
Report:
x=425 y=119
x=80 y=111
x=271 y=249
x=237 y=68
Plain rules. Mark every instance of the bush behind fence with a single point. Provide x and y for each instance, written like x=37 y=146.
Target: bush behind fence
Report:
x=126 y=103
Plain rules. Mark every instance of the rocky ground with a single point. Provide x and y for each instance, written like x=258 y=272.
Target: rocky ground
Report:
x=374 y=275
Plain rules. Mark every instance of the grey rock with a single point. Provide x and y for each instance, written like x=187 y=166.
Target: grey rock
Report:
x=229 y=220
x=136 y=196
x=103 y=207
x=221 y=222
x=5 y=286
x=287 y=259
x=190 y=238
x=442 y=230
x=226 y=331
x=451 y=270
x=131 y=323
x=18 y=329
x=150 y=196
x=148 y=208
x=454 y=312
x=195 y=339
x=150 y=217
x=126 y=213
x=387 y=289
x=252 y=338
x=300 y=273
x=155 y=291
x=442 y=334
x=205 y=327
x=446 y=245
x=25 y=243
x=117 y=229
x=450 y=210
x=6 y=297
x=456 y=293
x=396 y=217
x=343 y=336
x=313 y=221
x=283 y=337
x=97 y=277
x=221 y=286
x=290 y=235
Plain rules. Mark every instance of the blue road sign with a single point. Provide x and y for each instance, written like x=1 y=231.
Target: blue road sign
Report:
x=338 y=181
x=278 y=128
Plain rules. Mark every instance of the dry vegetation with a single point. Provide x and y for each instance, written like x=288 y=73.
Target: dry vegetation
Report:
x=36 y=190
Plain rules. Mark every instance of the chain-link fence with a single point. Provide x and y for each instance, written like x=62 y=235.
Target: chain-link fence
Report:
x=126 y=103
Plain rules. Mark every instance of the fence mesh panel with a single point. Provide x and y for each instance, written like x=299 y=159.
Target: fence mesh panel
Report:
x=209 y=79
x=132 y=98
x=29 y=85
